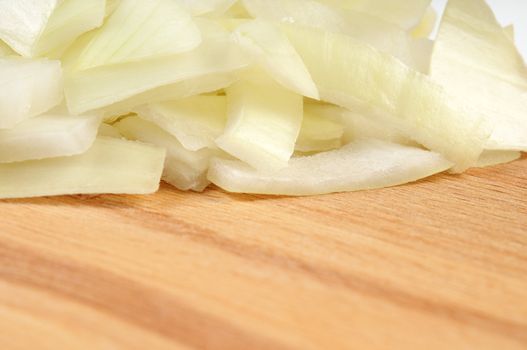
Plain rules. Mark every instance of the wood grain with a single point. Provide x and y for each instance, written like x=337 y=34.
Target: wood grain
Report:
x=439 y=264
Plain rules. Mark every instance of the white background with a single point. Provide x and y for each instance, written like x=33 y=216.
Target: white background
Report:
x=507 y=12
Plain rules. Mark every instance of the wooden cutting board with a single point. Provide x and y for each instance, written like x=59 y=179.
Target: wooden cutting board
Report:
x=439 y=264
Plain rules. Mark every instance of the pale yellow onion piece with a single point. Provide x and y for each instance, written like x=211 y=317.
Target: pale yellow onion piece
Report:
x=108 y=131
x=196 y=121
x=138 y=30
x=359 y=126
x=360 y=78
x=362 y=165
x=475 y=61
x=184 y=169
x=206 y=7
x=47 y=136
x=321 y=130
x=109 y=166
x=492 y=158
x=404 y=13
x=263 y=124
x=29 y=87
x=104 y=86
x=187 y=88
x=272 y=50
x=374 y=31
x=22 y=22
x=70 y=19
x=427 y=24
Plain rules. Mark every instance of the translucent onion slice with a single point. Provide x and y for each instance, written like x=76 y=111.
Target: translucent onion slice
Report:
x=29 y=88
x=22 y=22
x=272 y=50
x=321 y=129
x=263 y=124
x=359 y=126
x=187 y=88
x=358 y=77
x=138 y=30
x=492 y=158
x=70 y=19
x=184 y=169
x=109 y=166
x=196 y=121
x=383 y=35
x=362 y=165
x=47 y=136
x=406 y=14
x=480 y=65
x=103 y=86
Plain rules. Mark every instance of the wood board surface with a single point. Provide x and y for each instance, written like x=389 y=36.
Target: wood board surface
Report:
x=438 y=264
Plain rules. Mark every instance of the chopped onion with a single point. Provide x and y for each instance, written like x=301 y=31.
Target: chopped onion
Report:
x=263 y=124
x=103 y=86
x=69 y=20
x=491 y=158
x=273 y=51
x=283 y=97
x=109 y=166
x=196 y=122
x=47 y=136
x=365 y=164
x=322 y=129
x=138 y=30
x=358 y=77
x=184 y=169
x=22 y=22
x=186 y=88
x=383 y=35
x=480 y=65
x=29 y=88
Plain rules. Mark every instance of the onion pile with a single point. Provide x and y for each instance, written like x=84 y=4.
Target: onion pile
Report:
x=282 y=97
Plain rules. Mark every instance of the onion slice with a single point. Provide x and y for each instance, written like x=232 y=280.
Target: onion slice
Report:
x=184 y=169
x=263 y=124
x=272 y=50
x=480 y=65
x=47 y=136
x=358 y=77
x=196 y=121
x=109 y=166
x=322 y=129
x=106 y=85
x=29 y=88
x=22 y=22
x=362 y=165
x=369 y=29
x=492 y=158
x=138 y=30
